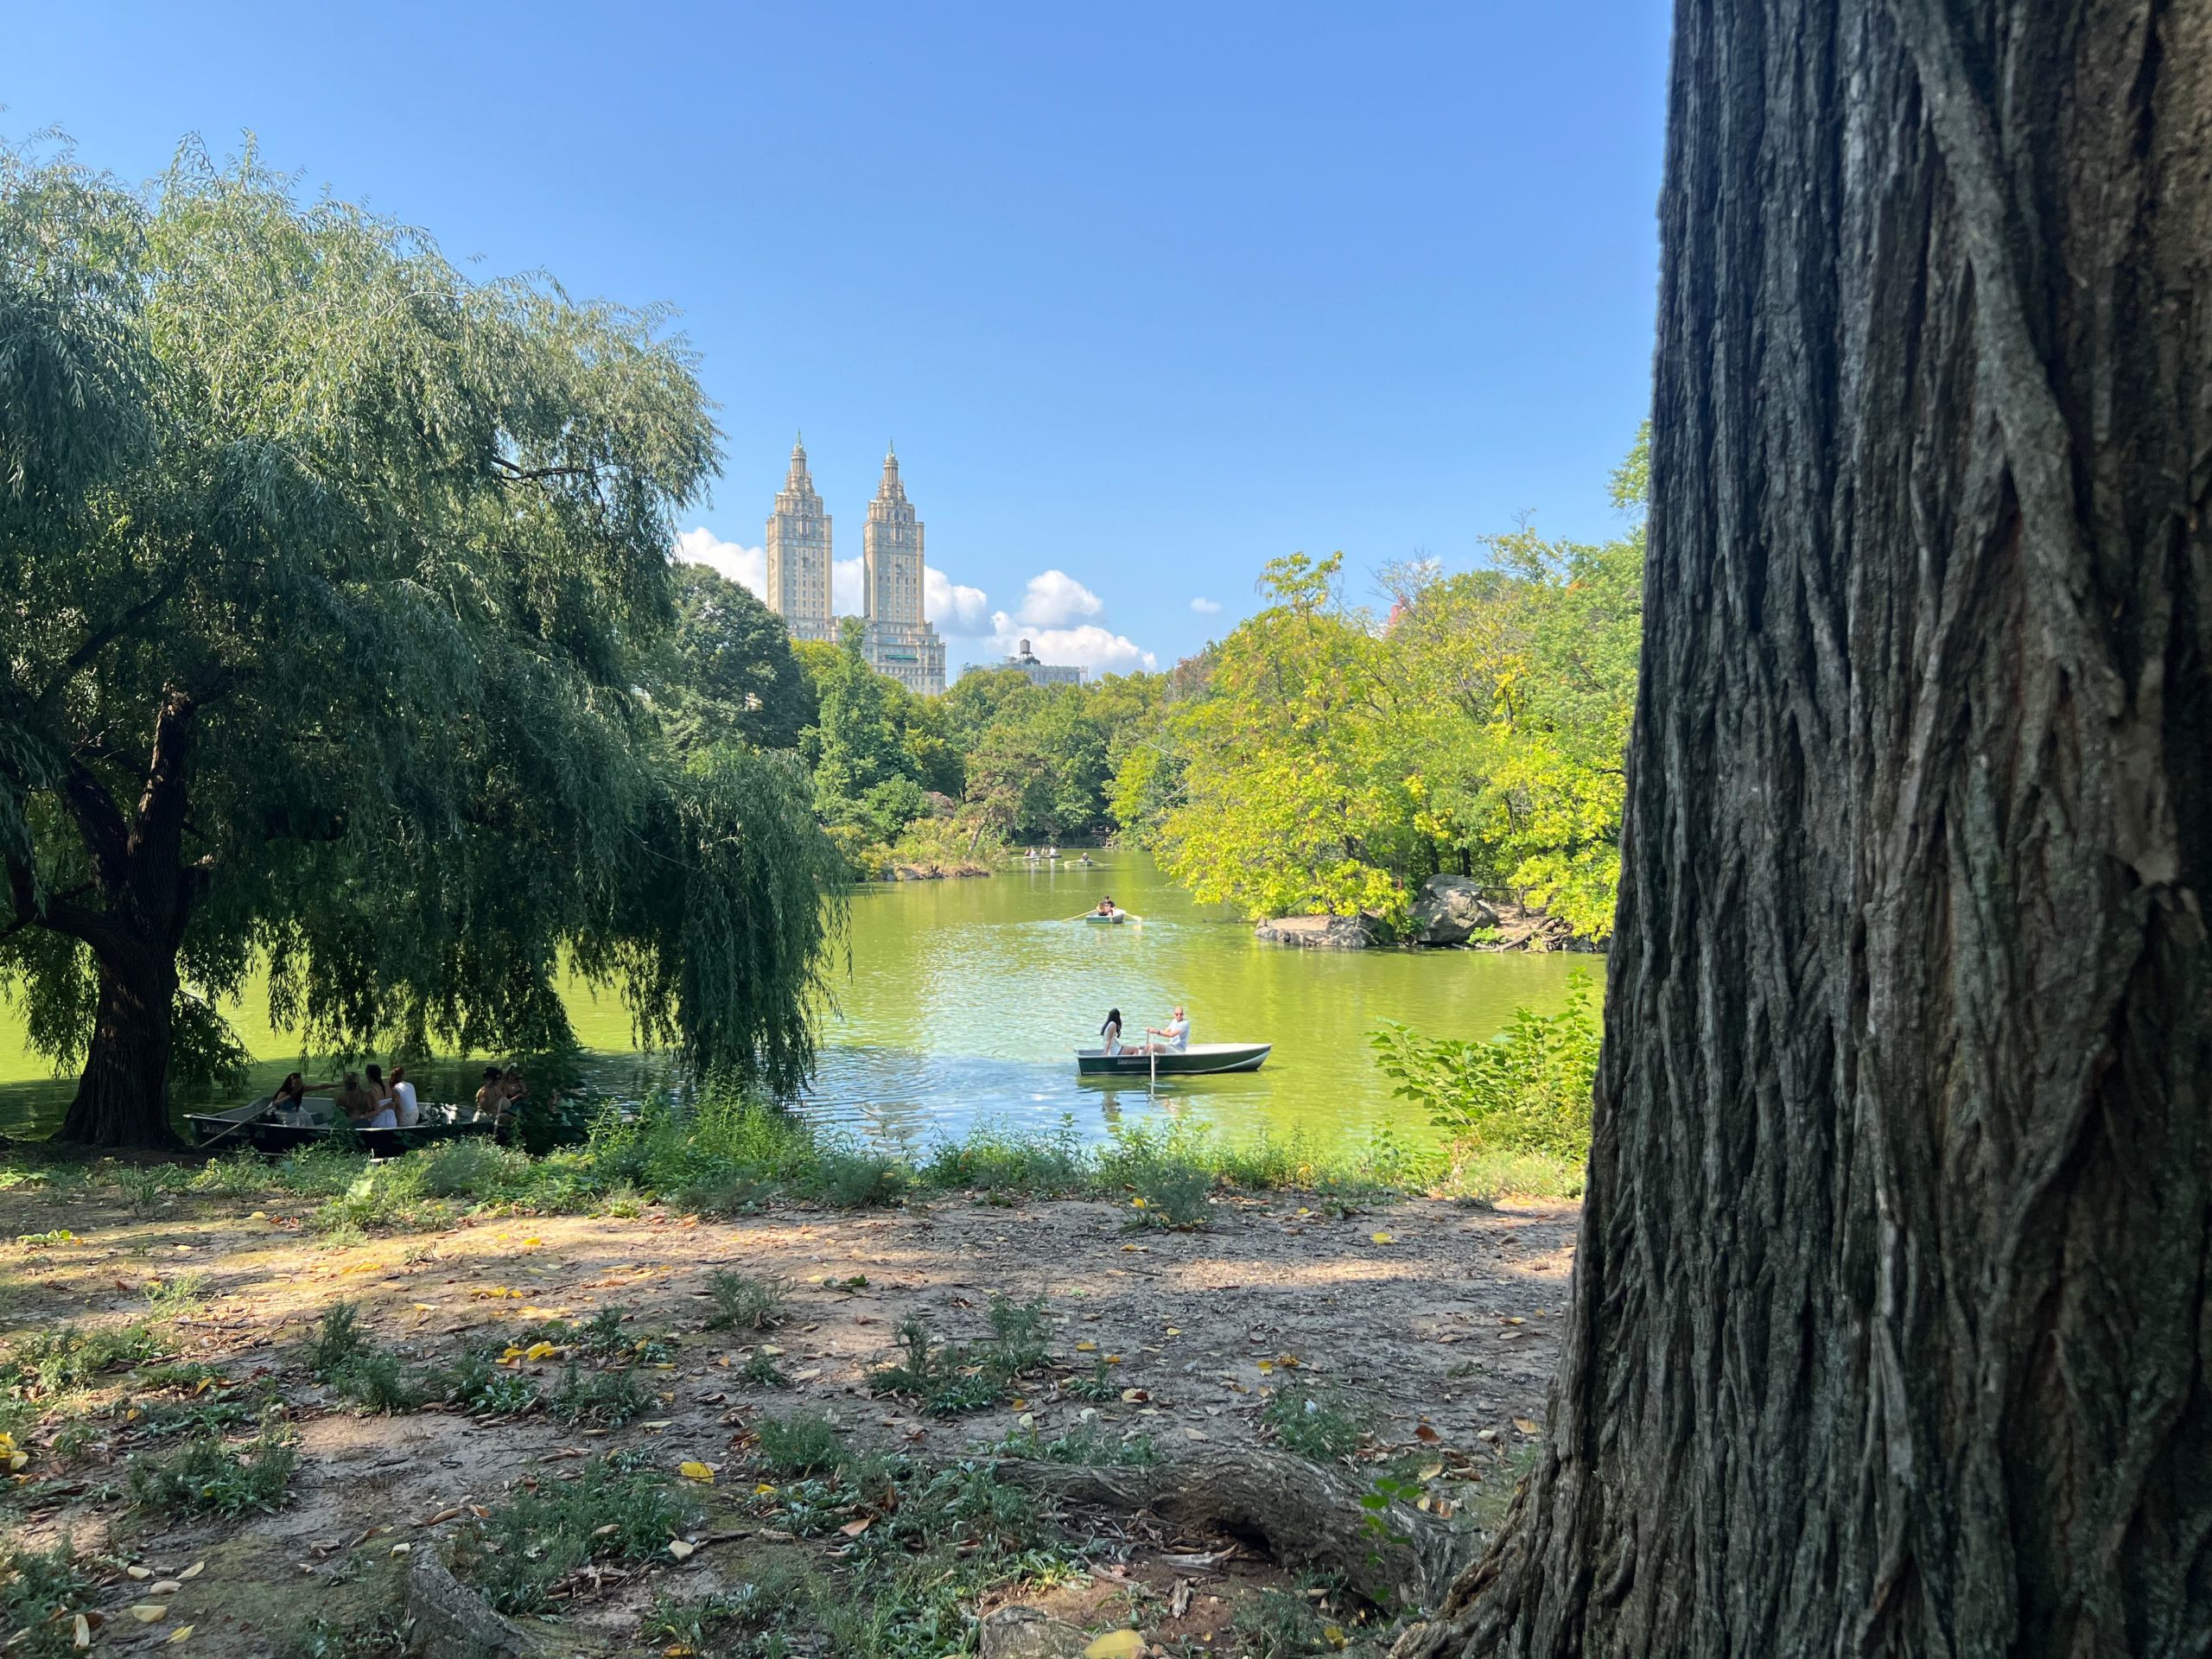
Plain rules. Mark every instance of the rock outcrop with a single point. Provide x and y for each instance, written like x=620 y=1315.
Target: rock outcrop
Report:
x=1449 y=910
x=1322 y=932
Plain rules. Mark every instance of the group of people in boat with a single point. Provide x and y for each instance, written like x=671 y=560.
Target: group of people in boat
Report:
x=1035 y=854
x=372 y=1101
x=1174 y=1036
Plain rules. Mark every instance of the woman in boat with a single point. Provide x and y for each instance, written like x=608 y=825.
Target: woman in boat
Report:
x=1105 y=905
x=386 y=1114
x=1109 y=1035
x=406 y=1110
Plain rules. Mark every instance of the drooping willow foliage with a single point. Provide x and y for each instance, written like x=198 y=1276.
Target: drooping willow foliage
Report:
x=331 y=577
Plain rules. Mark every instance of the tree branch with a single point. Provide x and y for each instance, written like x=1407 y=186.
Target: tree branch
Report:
x=101 y=637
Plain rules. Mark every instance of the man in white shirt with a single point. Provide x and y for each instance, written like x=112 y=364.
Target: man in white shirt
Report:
x=1174 y=1036
x=404 y=1109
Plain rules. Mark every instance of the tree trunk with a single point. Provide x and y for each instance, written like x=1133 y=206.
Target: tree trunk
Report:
x=123 y=1097
x=1890 y=1331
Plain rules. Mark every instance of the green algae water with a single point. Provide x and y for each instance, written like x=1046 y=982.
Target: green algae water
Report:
x=964 y=999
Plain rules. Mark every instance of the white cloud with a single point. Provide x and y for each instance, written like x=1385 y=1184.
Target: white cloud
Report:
x=846 y=597
x=1087 y=646
x=1206 y=606
x=1056 y=598
x=954 y=608
x=746 y=566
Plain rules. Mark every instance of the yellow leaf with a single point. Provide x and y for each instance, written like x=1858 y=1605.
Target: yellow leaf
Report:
x=83 y=1637
x=1086 y=1347
x=1113 y=1359
x=541 y=1350
x=1136 y=1204
x=179 y=1633
x=140 y=1572
x=194 y=1571
x=1431 y=1470
x=1174 y=1330
x=1116 y=1644
x=681 y=1550
x=764 y=1489
x=531 y=1244
x=1266 y=1366
x=147 y=1611
x=694 y=1471
x=1380 y=1238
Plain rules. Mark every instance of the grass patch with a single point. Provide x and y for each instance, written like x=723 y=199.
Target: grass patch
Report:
x=39 y=1589
x=805 y=1445
x=598 y=1399
x=1087 y=1446
x=743 y=1302
x=1278 y=1623
x=529 y=1545
x=760 y=1372
x=55 y=1362
x=952 y=1377
x=1314 y=1423
x=206 y=1477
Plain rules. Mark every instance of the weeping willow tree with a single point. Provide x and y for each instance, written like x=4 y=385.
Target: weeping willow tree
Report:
x=332 y=574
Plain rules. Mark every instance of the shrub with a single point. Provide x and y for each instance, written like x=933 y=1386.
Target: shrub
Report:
x=853 y=1179
x=57 y=1361
x=1525 y=1090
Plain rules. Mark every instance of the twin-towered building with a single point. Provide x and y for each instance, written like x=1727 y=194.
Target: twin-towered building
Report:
x=898 y=638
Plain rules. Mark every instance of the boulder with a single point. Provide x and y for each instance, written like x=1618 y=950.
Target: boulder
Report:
x=1322 y=932
x=1029 y=1633
x=1449 y=910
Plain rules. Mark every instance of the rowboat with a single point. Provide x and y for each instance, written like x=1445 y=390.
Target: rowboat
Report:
x=320 y=1123
x=1115 y=920
x=1199 y=1060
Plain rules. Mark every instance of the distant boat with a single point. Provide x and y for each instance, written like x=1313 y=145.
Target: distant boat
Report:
x=264 y=1130
x=1114 y=919
x=1199 y=1060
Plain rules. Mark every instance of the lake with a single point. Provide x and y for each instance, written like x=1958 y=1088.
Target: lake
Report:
x=965 y=998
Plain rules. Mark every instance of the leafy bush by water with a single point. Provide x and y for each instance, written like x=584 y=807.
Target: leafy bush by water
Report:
x=1527 y=1090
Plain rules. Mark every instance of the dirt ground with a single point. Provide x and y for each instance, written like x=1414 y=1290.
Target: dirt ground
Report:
x=1436 y=1321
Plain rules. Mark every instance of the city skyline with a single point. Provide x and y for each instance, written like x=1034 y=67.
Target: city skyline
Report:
x=1143 y=318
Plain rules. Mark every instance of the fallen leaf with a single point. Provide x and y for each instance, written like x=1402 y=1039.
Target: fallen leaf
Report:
x=1086 y=1347
x=194 y=1571
x=1381 y=1238
x=764 y=1489
x=1423 y=1431
x=83 y=1637
x=1135 y=1397
x=147 y=1611
x=140 y=1572
x=695 y=1471
x=1431 y=1470
x=164 y=1587
x=681 y=1550
x=402 y=1550
x=658 y=1424
x=179 y=1633
x=1116 y=1644
x=1267 y=1367
x=853 y=1529
x=1525 y=1426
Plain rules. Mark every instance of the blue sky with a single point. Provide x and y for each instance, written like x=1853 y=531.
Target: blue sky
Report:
x=1146 y=294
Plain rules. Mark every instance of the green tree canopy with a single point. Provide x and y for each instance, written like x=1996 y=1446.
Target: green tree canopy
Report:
x=337 y=571
x=732 y=672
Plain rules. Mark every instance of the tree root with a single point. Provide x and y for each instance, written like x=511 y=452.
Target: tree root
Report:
x=1306 y=1515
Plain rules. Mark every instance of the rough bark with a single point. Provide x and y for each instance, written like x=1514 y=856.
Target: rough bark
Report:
x=1890 y=1331
x=148 y=892
x=1305 y=1516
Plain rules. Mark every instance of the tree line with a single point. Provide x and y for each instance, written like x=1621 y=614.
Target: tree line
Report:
x=1324 y=756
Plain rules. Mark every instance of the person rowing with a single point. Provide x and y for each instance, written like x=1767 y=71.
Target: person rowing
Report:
x=1105 y=907
x=1174 y=1036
